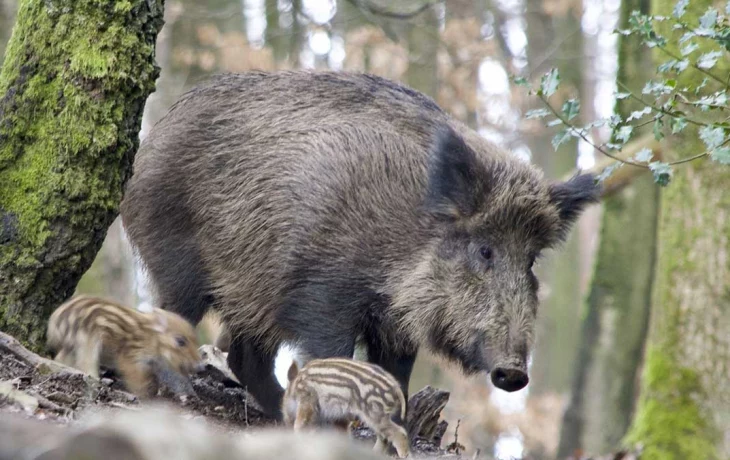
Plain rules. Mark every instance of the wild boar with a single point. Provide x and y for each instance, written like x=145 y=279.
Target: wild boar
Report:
x=333 y=389
x=323 y=208
x=145 y=348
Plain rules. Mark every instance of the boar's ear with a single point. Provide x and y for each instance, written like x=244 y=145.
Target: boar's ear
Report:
x=293 y=371
x=453 y=177
x=571 y=197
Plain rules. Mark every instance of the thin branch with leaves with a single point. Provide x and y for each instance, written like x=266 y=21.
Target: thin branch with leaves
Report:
x=673 y=106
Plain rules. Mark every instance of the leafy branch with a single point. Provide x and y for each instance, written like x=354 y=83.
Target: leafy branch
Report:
x=673 y=107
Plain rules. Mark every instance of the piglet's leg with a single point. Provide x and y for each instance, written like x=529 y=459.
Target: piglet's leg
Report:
x=88 y=352
x=137 y=377
x=306 y=414
x=65 y=356
x=399 y=438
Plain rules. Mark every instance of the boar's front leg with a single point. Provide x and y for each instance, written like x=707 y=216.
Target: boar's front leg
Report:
x=254 y=368
x=399 y=364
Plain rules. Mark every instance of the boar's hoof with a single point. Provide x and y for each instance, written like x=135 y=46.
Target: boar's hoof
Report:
x=509 y=379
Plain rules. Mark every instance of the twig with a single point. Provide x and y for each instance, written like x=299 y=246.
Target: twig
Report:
x=657 y=109
x=456 y=436
x=695 y=66
x=583 y=136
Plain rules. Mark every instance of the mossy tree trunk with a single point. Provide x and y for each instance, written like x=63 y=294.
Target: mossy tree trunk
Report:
x=617 y=309
x=684 y=407
x=74 y=83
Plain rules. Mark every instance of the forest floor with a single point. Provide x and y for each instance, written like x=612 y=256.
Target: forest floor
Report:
x=36 y=388
x=42 y=400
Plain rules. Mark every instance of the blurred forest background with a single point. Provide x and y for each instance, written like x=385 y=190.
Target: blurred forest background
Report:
x=461 y=52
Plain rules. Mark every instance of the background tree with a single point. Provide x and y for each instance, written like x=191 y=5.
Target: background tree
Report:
x=616 y=313
x=685 y=385
x=70 y=114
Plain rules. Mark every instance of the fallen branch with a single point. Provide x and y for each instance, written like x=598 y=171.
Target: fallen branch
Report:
x=424 y=411
x=43 y=365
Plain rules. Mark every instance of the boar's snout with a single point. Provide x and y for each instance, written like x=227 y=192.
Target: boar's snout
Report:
x=509 y=379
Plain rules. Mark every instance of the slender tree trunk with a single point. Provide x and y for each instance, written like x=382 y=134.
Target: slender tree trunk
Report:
x=685 y=384
x=7 y=18
x=74 y=83
x=296 y=34
x=423 y=46
x=617 y=309
x=422 y=74
x=274 y=34
x=111 y=275
x=557 y=342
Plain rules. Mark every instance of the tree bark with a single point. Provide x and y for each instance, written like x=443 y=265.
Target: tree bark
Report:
x=685 y=385
x=74 y=83
x=617 y=309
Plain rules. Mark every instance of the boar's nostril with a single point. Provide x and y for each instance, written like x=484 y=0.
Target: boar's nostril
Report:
x=509 y=379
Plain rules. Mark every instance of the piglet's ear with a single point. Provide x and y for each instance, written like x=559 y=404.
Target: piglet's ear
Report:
x=571 y=198
x=160 y=324
x=453 y=177
x=293 y=371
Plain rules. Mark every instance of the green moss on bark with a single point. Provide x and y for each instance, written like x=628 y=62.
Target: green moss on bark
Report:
x=671 y=423
x=74 y=82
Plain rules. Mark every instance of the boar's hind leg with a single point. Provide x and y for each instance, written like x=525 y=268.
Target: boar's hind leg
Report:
x=171 y=255
x=254 y=368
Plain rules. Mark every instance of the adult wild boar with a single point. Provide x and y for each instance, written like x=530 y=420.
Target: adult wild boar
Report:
x=323 y=208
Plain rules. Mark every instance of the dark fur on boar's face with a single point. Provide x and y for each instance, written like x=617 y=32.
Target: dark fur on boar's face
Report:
x=323 y=208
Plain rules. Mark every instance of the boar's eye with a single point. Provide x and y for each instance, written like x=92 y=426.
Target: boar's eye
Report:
x=181 y=341
x=485 y=252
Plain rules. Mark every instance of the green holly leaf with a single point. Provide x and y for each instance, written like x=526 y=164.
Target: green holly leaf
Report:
x=537 y=113
x=560 y=138
x=678 y=124
x=721 y=155
x=709 y=19
x=644 y=155
x=679 y=8
x=712 y=137
x=689 y=48
x=549 y=83
x=662 y=172
x=608 y=171
x=571 y=107
x=637 y=114
x=708 y=60
x=624 y=133
x=555 y=122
